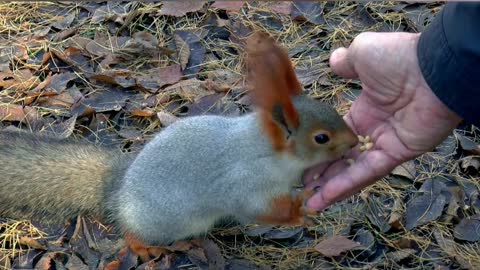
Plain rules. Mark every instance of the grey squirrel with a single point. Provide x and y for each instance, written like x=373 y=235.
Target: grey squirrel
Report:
x=193 y=173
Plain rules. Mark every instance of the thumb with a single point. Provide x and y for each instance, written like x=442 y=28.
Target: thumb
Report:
x=341 y=64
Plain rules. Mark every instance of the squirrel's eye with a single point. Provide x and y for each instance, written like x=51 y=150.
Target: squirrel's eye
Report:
x=321 y=138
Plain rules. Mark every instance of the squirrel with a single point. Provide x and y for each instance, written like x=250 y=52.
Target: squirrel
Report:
x=193 y=173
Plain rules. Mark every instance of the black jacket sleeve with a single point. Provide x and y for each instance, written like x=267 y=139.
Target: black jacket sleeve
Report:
x=449 y=57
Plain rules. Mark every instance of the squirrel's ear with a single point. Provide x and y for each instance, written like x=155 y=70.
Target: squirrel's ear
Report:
x=273 y=82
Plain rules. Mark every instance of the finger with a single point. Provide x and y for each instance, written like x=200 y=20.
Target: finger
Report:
x=314 y=173
x=369 y=168
x=329 y=173
x=341 y=64
x=328 y=170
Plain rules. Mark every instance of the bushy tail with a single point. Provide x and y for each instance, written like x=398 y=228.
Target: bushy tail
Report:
x=44 y=177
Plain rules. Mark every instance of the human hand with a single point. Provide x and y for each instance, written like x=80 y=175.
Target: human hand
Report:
x=396 y=108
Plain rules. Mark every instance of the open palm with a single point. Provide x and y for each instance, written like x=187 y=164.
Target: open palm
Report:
x=396 y=108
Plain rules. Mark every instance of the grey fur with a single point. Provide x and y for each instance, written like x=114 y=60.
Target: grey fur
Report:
x=204 y=168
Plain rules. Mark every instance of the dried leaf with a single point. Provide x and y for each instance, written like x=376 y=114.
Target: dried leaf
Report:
x=42 y=32
x=336 y=245
x=73 y=57
x=365 y=239
x=74 y=263
x=401 y=254
x=308 y=11
x=284 y=233
x=197 y=256
x=396 y=215
x=467 y=144
x=183 y=51
x=112 y=11
x=418 y=17
x=282 y=7
x=450 y=247
x=159 y=77
x=180 y=8
x=105 y=100
x=233 y=6
x=406 y=169
x=103 y=46
x=13 y=112
x=423 y=209
x=311 y=72
x=143 y=43
x=196 y=49
x=241 y=264
x=63 y=129
x=213 y=255
x=20 y=80
x=470 y=165
x=377 y=211
x=30 y=242
x=45 y=263
x=258 y=230
x=62 y=35
x=25 y=260
x=166 y=118
x=212 y=104
x=115 y=77
x=58 y=82
x=182 y=245
x=192 y=89
x=468 y=229
x=63 y=22
x=143 y=112
x=222 y=80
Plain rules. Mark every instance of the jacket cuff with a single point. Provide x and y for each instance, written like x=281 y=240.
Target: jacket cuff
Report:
x=446 y=61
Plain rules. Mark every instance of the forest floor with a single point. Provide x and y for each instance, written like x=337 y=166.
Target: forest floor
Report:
x=115 y=73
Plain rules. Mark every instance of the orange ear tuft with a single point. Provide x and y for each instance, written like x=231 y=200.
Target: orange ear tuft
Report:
x=273 y=82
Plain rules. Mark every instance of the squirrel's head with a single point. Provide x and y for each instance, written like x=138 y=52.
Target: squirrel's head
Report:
x=321 y=136
x=309 y=130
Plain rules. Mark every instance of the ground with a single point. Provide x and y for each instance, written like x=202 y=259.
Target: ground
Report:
x=116 y=72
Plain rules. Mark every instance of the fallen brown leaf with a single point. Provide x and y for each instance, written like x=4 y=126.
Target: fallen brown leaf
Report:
x=14 y=112
x=180 y=8
x=166 y=118
x=192 y=89
x=63 y=22
x=213 y=254
x=233 y=6
x=59 y=81
x=282 y=7
x=102 y=45
x=156 y=78
x=308 y=11
x=468 y=229
x=20 y=80
x=115 y=77
x=143 y=112
x=64 y=34
x=336 y=245
x=30 y=242
x=183 y=51
x=406 y=169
